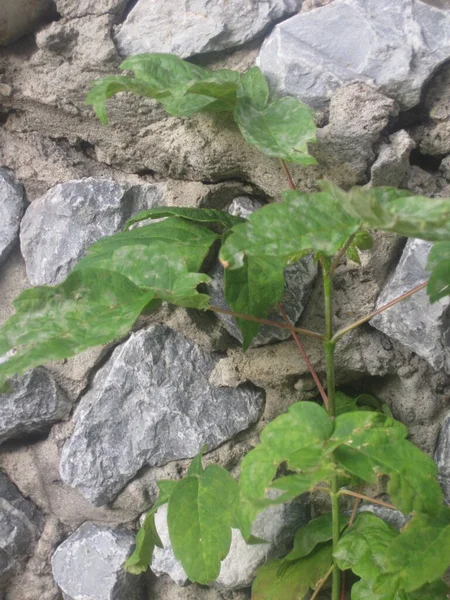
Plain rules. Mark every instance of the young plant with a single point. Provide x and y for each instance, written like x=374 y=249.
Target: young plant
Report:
x=326 y=449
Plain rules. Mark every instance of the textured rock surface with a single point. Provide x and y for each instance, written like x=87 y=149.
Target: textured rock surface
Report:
x=89 y=565
x=200 y=26
x=393 y=517
x=150 y=404
x=299 y=280
x=20 y=17
x=395 y=45
x=392 y=164
x=20 y=527
x=422 y=327
x=435 y=134
x=35 y=403
x=58 y=228
x=12 y=206
x=277 y=525
x=442 y=457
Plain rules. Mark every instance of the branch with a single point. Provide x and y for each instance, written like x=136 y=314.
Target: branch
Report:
x=288 y=175
x=225 y=311
x=341 y=253
x=368 y=498
x=305 y=357
x=370 y=316
x=322 y=582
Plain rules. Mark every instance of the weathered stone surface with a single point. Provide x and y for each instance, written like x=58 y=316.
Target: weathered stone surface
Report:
x=442 y=457
x=200 y=26
x=277 y=525
x=85 y=8
x=435 y=133
x=35 y=403
x=20 y=526
x=420 y=326
x=395 y=45
x=89 y=565
x=150 y=404
x=299 y=280
x=12 y=206
x=20 y=17
x=58 y=228
x=391 y=516
x=392 y=164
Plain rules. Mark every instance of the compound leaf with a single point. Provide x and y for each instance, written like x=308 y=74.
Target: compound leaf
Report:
x=200 y=516
x=370 y=444
x=317 y=531
x=282 y=130
x=439 y=265
x=292 y=581
x=164 y=257
x=255 y=88
x=284 y=230
x=91 y=307
x=253 y=290
x=199 y=215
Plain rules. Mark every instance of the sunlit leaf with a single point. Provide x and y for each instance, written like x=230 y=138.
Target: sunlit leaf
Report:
x=316 y=532
x=255 y=88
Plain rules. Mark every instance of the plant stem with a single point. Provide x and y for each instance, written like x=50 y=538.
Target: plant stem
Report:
x=337 y=336
x=225 y=311
x=363 y=497
x=305 y=358
x=337 y=259
x=322 y=582
x=329 y=347
x=288 y=175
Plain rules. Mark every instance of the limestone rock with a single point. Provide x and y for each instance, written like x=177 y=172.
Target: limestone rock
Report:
x=12 y=206
x=435 y=138
x=200 y=26
x=420 y=326
x=442 y=457
x=299 y=280
x=58 y=227
x=35 y=403
x=277 y=525
x=392 y=164
x=85 y=8
x=395 y=45
x=391 y=516
x=20 y=526
x=20 y=17
x=89 y=565
x=152 y=403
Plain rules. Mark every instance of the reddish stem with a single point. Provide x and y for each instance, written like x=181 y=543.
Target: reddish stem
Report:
x=289 y=176
x=305 y=357
x=350 y=523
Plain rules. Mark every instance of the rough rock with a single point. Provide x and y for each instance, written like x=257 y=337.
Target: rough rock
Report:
x=20 y=17
x=391 y=516
x=392 y=164
x=395 y=45
x=58 y=227
x=442 y=457
x=277 y=525
x=200 y=26
x=435 y=133
x=421 y=327
x=35 y=403
x=150 y=404
x=20 y=526
x=299 y=279
x=12 y=206
x=89 y=565
x=85 y=8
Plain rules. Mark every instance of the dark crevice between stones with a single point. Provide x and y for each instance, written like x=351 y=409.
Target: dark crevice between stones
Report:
x=408 y=119
x=128 y=8
x=427 y=162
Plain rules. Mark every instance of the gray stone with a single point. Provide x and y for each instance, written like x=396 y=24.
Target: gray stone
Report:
x=89 y=565
x=200 y=26
x=391 y=516
x=20 y=17
x=299 y=279
x=20 y=526
x=276 y=525
x=35 y=403
x=435 y=132
x=12 y=206
x=421 y=327
x=395 y=45
x=442 y=457
x=58 y=227
x=152 y=403
x=392 y=164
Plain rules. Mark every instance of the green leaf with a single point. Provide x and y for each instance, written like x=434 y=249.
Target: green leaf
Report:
x=255 y=88
x=222 y=87
x=196 y=466
x=293 y=581
x=164 y=257
x=89 y=308
x=296 y=438
x=363 y=590
x=316 y=532
x=204 y=216
x=371 y=444
x=362 y=241
x=345 y=403
x=439 y=264
x=200 y=516
x=282 y=130
x=253 y=290
x=281 y=231
x=437 y=590
x=390 y=209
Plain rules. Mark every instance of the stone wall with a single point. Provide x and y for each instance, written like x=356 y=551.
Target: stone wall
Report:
x=83 y=441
